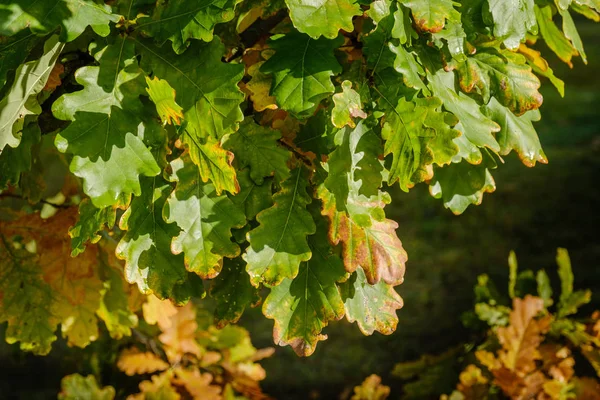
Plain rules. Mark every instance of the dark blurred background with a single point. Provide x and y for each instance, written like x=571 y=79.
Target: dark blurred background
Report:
x=533 y=211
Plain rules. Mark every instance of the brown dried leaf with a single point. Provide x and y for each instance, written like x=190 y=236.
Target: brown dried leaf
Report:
x=54 y=78
x=521 y=339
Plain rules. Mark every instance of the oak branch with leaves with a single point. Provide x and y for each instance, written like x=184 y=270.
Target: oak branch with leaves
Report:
x=239 y=149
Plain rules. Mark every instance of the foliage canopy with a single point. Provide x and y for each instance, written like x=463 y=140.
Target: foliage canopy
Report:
x=240 y=149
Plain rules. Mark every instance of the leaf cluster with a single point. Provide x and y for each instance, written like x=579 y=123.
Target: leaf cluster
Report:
x=245 y=146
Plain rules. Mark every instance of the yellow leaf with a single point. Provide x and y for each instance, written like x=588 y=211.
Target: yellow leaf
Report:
x=371 y=389
x=198 y=385
x=163 y=96
x=259 y=87
x=159 y=388
x=179 y=337
x=158 y=311
x=132 y=362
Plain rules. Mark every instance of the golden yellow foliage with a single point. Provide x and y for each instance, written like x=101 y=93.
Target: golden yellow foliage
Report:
x=134 y=362
x=371 y=389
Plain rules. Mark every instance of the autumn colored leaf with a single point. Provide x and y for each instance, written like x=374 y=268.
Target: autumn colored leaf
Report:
x=431 y=15
x=134 y=362
x=371 y=389
x=347 y=106
x=163 y=96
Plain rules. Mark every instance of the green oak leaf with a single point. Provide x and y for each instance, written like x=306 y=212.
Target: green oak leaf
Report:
x=114 y=305
x=406 y=137
x=258 y=148
x=417 y=134
x=302 y=68
x=517 y=133
x=317 y=134
x=116 y=82
x=570 y=31
x=16 y=161
x=466 y=149
x=107 y=155
x=205 y=220
x=354 y=169
x=252 y=198
x=512 y=20
x=406 y=64
x=376 y=46
x=372 y=307
x=569 y=301
x=232 y=292
x=76 y=386
x=379 y=9
x=182 y=20
x=301 y=307
x=454 y=35
x=347 y=105
x=206 y=87
x=477 y=127
x=146 y=245
x=504 y=75
x=43 y=17
x=323 y=17
x=279 y=244
x=462 y=184
x=91 y=221
x=30 y=79
x=14 y=50
x=431 y=15
x=554 y=38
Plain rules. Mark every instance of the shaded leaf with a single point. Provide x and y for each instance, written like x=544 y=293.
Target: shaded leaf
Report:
x=146 y=246
x=302 y=68
x=279 y=244
x=77 y=387
x=91 y=221
x=258 y=148
x=232 y=292
x=180 y=20
x=73 y=16
x=304 y=305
